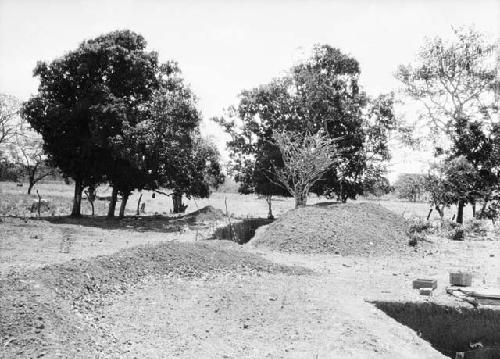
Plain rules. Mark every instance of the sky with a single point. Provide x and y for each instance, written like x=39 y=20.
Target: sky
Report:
x=223 y=47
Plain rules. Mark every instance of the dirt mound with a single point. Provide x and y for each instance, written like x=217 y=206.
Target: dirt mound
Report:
x=205 y=214
x=114 y=274
x=56 y=309
x=346 y=229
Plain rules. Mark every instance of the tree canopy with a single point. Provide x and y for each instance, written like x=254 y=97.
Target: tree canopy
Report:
x=110 y=112
x=457 y=85
x=321 y=93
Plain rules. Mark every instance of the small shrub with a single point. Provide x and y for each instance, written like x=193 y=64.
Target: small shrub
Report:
x=458 y=234
x=415 y=238
x=417 y=231
x=477 y=228
x=418 y=225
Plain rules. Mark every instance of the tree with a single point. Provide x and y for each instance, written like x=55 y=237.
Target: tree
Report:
x=453 y=80
x=321 y=93
x=175 y=156
x=26 y=150
x=457 y=84
x=201 y=173
x=306 y=158
x=84 y=101
x=9 y=114
x=410 y=186
x=376 y=184
x=460 y=184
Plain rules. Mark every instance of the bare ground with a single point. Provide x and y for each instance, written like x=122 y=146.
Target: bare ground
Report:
x=229 y=313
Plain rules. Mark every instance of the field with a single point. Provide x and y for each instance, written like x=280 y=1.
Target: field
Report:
x=159 y=286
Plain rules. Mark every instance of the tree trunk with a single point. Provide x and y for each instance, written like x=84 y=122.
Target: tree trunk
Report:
x=123 y=205
x=269 y=203
x=429 y=215
x=460 y=213
x=91 y=198
x=77 y=199
x=483 y=208
x=31 y=185
x=474 y=210
x=300 y=200
x=177 y=202
x=112 y=203
x=138 y=212
x=440 y=211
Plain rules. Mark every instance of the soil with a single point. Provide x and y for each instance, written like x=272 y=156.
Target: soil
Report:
x=56 y=310
x=176 y=297
x=363 y=229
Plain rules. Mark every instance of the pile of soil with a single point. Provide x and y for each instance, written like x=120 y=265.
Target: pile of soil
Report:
x=207 y=213
x=47 y=311
x=361 y=229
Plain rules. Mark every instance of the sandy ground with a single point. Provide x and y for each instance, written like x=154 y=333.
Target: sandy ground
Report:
x=326 y=315
x=256 y=317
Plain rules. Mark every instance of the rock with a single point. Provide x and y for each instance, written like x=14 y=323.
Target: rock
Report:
x=426 y=291
x=425 y=283
x=461 y=279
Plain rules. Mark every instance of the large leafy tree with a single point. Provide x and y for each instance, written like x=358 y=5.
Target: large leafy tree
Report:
x=321 y=93
x=86 y=101
x=454 y=182
x=410 y=186
x=175 y=156
x=456 y=84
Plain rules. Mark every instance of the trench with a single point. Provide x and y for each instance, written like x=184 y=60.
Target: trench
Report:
x=242 y=231
x=450 y=330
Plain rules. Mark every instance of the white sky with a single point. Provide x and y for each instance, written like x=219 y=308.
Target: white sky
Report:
x=224 y=47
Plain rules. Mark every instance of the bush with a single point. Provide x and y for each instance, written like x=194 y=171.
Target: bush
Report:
x=418 y=226
x=476 y=227
x=458 y=234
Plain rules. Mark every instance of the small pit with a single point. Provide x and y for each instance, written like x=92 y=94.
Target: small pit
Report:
x=241 y=232
x=450 y=330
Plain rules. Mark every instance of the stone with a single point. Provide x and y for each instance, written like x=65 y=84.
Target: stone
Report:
x=424 y=283
x=463 y=279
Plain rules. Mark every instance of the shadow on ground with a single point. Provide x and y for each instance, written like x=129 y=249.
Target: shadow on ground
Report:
x=201 y=219
x=449 y=329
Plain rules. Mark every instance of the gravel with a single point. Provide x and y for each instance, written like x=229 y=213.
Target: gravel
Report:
x=361 y=229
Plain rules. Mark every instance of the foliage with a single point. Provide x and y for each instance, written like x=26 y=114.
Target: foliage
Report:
x=321 y=93
x=9 y=114
x=177 y=157
x=305 y=159
x=457 y=84
x=87 y=101
x=375 y=183
x=453 y=80
x=26 y=150
x=410 y=186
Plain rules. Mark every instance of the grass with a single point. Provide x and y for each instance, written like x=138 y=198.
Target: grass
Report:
x=15 y=201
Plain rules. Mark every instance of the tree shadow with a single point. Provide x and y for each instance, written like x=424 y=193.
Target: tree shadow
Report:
x=450 y=329
x=200 y=219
